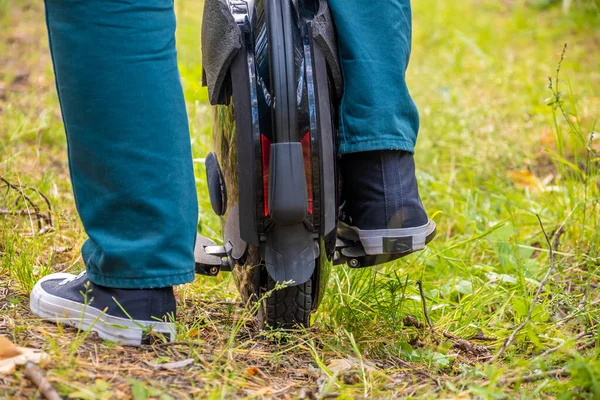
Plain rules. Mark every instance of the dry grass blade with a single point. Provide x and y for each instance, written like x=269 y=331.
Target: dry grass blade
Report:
x=555 y=374
x=582 y=335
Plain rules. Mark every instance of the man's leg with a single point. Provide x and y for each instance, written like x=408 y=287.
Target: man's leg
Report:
x=378 y=126
x=377 y=112
x=129 y=154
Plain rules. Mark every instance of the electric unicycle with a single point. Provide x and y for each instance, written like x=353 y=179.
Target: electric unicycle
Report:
x=272 y=71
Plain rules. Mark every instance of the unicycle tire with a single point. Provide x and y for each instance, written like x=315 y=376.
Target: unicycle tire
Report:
x=289 y=307
x=286 y=308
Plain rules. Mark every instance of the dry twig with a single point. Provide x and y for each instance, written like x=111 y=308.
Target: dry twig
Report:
x=35 y=375
x=534 y=301
x=43 y=219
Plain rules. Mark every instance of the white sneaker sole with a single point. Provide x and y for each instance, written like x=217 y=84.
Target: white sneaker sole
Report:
x=115 y=329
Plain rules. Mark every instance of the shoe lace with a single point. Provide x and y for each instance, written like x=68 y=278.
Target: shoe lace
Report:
x=72 y=278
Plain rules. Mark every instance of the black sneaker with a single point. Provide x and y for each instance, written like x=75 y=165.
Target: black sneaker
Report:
x=130 y=316
x=382 y=205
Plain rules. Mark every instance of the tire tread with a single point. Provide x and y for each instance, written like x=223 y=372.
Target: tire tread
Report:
x=289 y=307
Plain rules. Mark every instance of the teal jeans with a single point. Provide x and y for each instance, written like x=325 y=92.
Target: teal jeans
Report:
x=376 y=111
x=125 y=119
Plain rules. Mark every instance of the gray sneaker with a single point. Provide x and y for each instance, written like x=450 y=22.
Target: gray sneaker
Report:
x=383 y=209
x=130 y=316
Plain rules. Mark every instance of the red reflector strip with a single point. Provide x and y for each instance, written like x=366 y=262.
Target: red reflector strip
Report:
x=308 y=169
x=266 y=161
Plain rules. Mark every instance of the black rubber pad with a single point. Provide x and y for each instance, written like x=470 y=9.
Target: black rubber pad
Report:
x=397 y=245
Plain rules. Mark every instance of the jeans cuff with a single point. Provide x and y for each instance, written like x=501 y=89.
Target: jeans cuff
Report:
x=140 y=283
x=371 y=145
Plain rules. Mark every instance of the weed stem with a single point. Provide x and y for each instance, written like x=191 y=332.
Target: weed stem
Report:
x=425 y=312
x=551 y=248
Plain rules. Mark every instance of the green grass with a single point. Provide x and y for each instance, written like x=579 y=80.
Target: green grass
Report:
x=497 y=148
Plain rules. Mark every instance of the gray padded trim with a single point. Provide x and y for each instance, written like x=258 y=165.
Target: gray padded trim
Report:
x=323 y=30
x=221 y=41
x=387 y=241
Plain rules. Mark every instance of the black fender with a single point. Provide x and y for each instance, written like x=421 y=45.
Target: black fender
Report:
x=221 y=42
x=324 y=35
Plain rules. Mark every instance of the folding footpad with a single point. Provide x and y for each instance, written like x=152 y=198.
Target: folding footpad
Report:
x=360 y=249
x=353 y=255
x=210 y=258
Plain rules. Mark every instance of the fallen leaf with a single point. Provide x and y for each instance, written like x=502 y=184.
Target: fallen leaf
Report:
x=502 y=278
x=13 y=355
x=34 y=355
x=547 y=138
x=7 y=367
x=347 y=364
x=339 y=365
x=524 y=179
x=172 y=365
x=7 y=348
